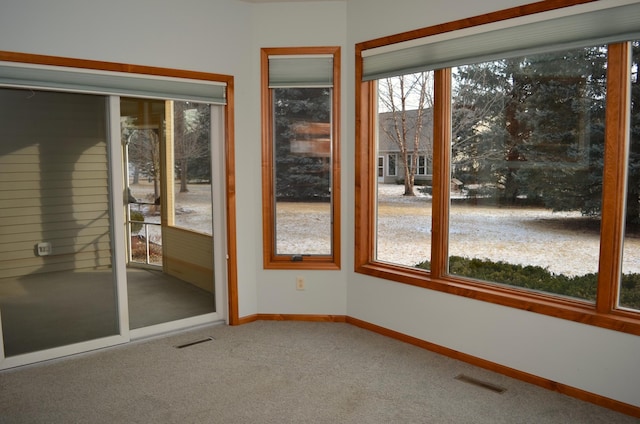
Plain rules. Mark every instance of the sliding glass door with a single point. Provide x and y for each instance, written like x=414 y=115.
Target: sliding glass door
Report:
x=57 y=284
x=170 y=268
x=112 y=203
x=106 y=220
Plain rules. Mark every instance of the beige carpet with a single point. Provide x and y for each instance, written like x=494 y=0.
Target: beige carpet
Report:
x=277 y=372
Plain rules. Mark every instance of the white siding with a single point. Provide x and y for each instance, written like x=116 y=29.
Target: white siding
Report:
x=53 y=182
x=189 y=256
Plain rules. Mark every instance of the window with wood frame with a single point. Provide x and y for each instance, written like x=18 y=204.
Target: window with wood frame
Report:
x=529 y=204
x=300 y=157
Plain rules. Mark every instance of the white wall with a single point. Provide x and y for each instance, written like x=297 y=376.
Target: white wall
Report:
x=225 y=36
x=586 y=357
x=299 y=25
x=189 y=34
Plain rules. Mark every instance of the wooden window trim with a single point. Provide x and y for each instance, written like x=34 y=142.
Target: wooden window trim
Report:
x=270 y=259
x=96 y=65
x=604 y=312
x=612 y=223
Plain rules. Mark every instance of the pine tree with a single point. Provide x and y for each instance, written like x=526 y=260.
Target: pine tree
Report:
x=299 y=176
x=533 y=128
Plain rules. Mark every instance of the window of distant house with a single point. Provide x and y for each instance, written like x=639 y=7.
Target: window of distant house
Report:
x=393 y=171
x=510 y=161
x=300 y=166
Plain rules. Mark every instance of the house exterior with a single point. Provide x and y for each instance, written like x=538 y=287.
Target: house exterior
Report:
x=390 y=160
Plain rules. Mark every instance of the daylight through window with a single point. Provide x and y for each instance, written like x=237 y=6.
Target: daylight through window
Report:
x=300 y=166
x=527 y=155
x=496 y=174
x=405 y=130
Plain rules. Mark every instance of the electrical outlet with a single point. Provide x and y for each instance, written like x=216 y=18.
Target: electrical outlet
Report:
x=44 y=248
x=299 y=283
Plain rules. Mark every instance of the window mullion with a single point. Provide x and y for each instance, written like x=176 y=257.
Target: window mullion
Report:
x=615 y=166
x=365 y=187
x=441 y=171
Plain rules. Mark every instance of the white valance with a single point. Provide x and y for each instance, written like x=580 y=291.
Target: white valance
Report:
x=589 y=24
x=22 y=75
x=300 y=71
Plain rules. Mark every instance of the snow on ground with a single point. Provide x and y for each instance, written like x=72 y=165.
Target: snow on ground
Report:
x=303 y=228
x=193 y=208
x=565 y=243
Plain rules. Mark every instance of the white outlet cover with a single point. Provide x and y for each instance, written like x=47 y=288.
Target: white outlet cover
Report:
x=44 y=249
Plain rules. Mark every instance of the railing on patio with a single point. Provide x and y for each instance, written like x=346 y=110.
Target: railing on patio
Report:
x=146 y=243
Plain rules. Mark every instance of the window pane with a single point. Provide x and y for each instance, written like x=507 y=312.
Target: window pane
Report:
x=527 y=157
x=302 y=154
x=422 y=167
x=192 y=163
x=143 y=134
x=57 y=284
x=405 y=129
x=630 y=286
x=392 y=171
x=170 y=272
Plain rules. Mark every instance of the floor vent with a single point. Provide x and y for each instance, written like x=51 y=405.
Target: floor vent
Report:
x=480 y=383
x=208 y=339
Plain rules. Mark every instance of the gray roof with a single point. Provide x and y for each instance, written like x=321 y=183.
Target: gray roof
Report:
x=387 y=143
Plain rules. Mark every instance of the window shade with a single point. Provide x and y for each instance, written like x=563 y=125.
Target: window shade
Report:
x=106 y=82
x=300 y=71
x=590 y=24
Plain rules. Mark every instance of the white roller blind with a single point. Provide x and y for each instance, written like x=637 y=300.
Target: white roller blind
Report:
x=300 y=71
x=590 y=24
x=106 y=82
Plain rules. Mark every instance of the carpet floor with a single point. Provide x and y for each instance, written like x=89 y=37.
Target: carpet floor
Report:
x=278 y=372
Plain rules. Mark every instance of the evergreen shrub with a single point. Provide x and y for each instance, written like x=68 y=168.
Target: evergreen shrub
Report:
x=137 y=219
x=540 y=279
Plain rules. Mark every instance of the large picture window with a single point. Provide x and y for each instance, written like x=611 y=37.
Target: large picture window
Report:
x=300 y=157
x=526 y=202
x=526 y=147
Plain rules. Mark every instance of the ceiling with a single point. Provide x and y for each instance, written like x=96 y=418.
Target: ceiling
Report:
x=286 y=1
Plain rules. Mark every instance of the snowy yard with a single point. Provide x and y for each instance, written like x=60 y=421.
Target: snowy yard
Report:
x=565 y=243
x=193 y=208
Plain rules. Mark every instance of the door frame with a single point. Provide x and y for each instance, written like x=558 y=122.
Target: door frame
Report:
x=224 y=221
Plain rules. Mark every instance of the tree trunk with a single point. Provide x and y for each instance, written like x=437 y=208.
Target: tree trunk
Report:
x=408 y=182
x=156 y=187
x=183 y=177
